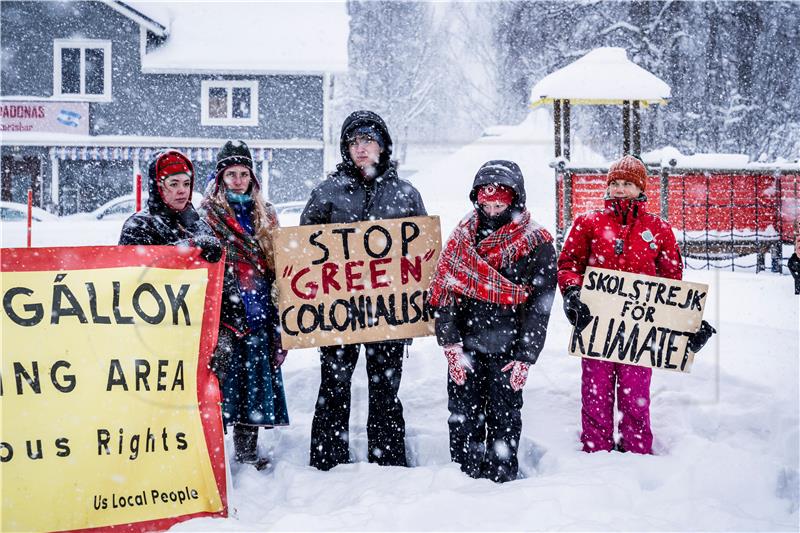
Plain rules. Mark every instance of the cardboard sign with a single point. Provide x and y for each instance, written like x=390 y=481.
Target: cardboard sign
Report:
x=360 y=282
x=45 y=117
x=110 y=416
x=639 y=320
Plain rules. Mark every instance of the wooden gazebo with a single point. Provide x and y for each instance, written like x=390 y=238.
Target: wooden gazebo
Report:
x=604 y=76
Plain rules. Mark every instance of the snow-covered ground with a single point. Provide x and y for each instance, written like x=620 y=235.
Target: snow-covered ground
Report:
x=726 y=435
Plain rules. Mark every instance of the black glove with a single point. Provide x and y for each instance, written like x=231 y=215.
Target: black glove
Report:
x=210 y=249
x=221 y=358
x=577 y=312
x=794 y=268
x=699 y=338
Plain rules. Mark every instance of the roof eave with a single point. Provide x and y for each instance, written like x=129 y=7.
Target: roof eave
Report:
x=645 y=101
x=240 y=72
x=138 y=17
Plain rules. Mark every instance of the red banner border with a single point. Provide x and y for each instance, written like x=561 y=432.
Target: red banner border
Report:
x=208 y=395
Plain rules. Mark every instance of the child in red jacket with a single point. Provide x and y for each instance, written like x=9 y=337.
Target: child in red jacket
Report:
x=625 y=237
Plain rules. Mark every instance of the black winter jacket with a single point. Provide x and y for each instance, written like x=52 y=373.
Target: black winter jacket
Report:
x=157 y=224
x=342 y=198
x=516 y=330
x=794 y=268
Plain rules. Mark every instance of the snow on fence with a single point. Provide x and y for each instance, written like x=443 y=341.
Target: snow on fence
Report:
x=723 y=218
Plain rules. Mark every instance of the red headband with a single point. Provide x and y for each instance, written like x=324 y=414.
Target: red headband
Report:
x=495 y=193
x=170 y=164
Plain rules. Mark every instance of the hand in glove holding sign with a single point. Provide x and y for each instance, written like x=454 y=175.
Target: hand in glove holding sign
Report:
x=577 y=312
x=700 y=337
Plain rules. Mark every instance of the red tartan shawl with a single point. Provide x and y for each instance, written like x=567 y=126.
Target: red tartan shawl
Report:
x=241 y=247
x=471 y=270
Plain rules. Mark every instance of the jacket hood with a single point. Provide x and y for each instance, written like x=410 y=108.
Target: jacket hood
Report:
x=155 y=202
x=500 y=172
x=358 y=119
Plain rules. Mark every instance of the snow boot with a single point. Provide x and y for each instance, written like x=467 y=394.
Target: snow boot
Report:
x=245 y=444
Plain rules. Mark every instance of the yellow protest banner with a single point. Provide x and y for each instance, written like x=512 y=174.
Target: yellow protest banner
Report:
x=639 y=320
x=109 y=414
x=359 y=282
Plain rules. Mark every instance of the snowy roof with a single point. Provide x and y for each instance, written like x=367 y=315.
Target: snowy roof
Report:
x=154 y=19
x=603 y=76
x=669 y=156
x=248 y=37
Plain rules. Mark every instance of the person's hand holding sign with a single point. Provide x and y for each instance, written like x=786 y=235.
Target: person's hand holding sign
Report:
x=577 y=312
x=700 y=337
x=210 y=248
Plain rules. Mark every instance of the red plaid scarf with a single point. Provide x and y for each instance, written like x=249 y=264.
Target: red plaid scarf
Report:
x=241 y=247
x=471 y=270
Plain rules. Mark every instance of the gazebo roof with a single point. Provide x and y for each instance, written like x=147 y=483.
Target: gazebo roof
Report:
x=603 y=76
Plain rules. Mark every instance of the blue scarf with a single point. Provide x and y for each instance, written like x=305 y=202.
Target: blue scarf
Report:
x=242 y=205
x=254 y=290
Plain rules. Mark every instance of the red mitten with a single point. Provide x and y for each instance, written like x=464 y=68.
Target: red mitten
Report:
x=519 y=374
x=456 y=363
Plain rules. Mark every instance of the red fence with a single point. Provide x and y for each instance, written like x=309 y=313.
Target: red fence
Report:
x=717 y=214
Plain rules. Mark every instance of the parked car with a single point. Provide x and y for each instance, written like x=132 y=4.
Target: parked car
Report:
x=289 y=212
x=121 y=208
x=14 y=212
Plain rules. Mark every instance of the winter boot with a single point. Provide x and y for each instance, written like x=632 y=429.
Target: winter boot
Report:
x=245 y=446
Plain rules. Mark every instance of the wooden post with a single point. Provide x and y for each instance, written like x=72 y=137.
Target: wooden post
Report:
x=626 y=127
x=637 y=129
x=777 y=248
x=566 y=129
x=567 y=199
x=557 y=123
x=30 y=214
x=138 y=192
x=664 y=186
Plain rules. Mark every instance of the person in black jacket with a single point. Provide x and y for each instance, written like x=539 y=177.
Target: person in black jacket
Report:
x=794 y=261
x=170 y=218
x=365 y=186
x=492 y=291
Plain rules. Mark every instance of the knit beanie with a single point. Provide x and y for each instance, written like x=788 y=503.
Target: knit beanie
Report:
x=629 y=168
x=235 y=153
x=172 y=163
x=369 y=131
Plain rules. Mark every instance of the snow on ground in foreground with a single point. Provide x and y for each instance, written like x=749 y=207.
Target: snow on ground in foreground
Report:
x=726 y=437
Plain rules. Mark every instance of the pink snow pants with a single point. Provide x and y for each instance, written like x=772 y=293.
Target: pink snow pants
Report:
x=633 y=400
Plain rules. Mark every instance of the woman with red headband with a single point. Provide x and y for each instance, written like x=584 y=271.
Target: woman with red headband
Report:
x=493 y=289
x=170 y=218
x=625 y=237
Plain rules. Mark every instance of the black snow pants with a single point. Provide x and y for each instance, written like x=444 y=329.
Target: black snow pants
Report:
x=485 y=420
x=386 y=427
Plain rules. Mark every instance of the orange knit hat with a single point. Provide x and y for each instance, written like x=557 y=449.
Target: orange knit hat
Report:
x=630 y=169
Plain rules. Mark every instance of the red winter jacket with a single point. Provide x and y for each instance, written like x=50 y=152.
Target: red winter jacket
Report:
x=647 y=245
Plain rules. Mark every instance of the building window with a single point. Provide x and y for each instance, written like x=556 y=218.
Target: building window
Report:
x=229 y=103
x=82 y=69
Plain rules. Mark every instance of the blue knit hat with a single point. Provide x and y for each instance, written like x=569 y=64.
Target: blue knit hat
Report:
x=368 y=130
